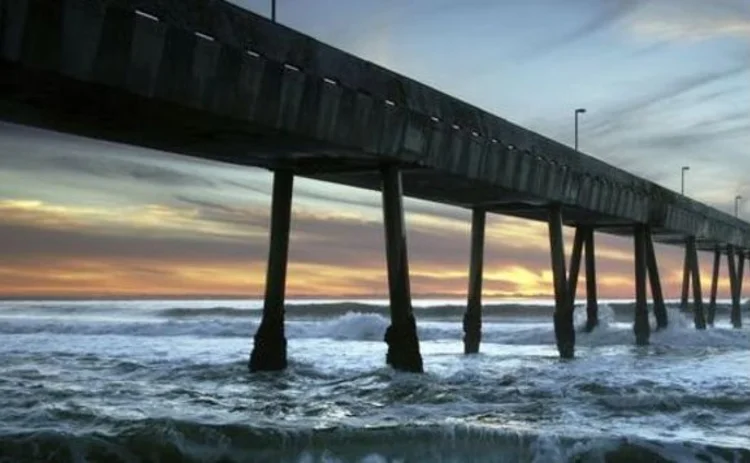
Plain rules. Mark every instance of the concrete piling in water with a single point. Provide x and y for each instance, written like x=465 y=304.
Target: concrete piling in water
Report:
x=269 y=351
x=575 y=266
x=563 y=316
x=660 y=309
x=740 y=276
x=699 y=318
x=685 y=279
x=714 y=287
x=472 y=322
x=731 y=263
x=592 y=303
x=736 y=271
x=640 y=325
x=401 y=336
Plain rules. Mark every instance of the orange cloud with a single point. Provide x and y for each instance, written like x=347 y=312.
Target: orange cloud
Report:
x=157 y=250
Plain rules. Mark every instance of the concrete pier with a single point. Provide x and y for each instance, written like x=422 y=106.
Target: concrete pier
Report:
x=736 y=269
x=699 y=317
x=401 y=336
x=714 y=288
x=737 y=318
x=565 y=334
x=592 y=303
x=685 y=280
x=732 y=264
x=640 y=325
x=575 y=265
x=660 y=309
x=472 y=322
x=269 y=351
x=207 y=79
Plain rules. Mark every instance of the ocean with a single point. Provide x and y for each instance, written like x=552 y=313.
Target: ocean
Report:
x=168 y=381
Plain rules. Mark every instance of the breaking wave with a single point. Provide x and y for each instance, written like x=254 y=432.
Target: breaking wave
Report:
x=357 y=326
x=173 y=440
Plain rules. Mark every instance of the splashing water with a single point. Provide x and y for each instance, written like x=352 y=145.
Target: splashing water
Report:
x=150 y=381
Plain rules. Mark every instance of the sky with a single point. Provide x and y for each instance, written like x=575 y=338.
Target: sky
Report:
x=666 y=83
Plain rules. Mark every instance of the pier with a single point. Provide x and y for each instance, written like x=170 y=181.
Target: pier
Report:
x=211 y=80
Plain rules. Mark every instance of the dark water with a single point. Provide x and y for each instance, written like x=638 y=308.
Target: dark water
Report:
x=167 y=381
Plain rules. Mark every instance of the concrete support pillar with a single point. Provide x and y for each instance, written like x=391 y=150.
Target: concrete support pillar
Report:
x=714 y=287
x=575 y=265
x=740 y=277
x=592 y=303
x=641 y=326
x=735 y=314
x=698 y=316
x=685 y=280
x=269 y=351
x=563 y=318
x=660 y=309
x=401 y=336
x=473 y=315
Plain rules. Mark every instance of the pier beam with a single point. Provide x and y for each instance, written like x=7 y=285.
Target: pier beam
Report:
x=660 y=309
x=640 y=326
x=685 y=279
x=269 y=351
x=592 y=303
x=563 y=318
x=401 y=336
x=714 y=287
x=699 y=318
x=473 y=316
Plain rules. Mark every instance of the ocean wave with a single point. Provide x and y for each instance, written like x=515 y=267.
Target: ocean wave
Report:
x=173 y=440
x=620 y=311
x=355 y=326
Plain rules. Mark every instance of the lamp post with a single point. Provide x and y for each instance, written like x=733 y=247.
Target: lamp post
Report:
x=273 y=10
x=577 y=112
x=737 y=200
x=682 y=187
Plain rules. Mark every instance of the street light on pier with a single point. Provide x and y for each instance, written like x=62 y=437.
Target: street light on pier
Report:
x=577 y=112
x=682 y=188
x=737 y=200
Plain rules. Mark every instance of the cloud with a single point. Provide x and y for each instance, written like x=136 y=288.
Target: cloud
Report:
x=692 y=20
x=606 y=14
x=330 y=253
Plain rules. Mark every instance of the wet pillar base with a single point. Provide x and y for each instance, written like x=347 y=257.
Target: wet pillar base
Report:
x=269 y=352
x=403 y=347
x=472 y=325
